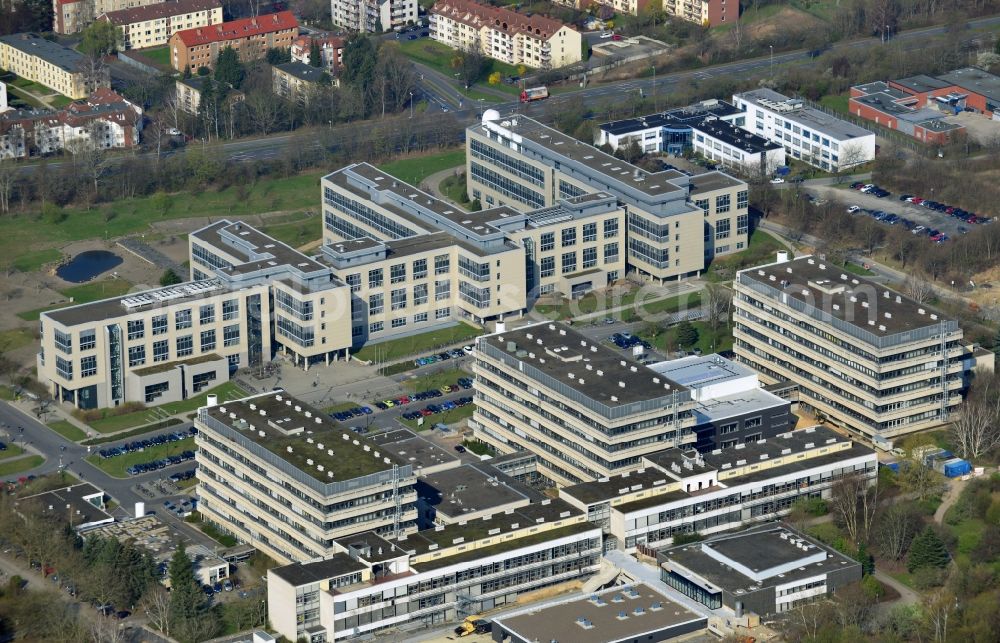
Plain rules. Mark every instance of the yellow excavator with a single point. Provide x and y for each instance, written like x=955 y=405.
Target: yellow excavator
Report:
x=473 y=625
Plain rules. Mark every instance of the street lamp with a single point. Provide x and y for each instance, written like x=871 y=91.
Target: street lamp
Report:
x=411 y=104
x=772 y=61
x=653 y=67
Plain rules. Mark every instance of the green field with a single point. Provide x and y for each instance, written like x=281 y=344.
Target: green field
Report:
x=415 y=169
x=159 y=55
x=19 y=465
x=32 y=261
x=60 y=101
x=598 y=301
x=434 y=380
x=129 y=216
x=116 y=467
x=67 y=430
x=417 y=345
x=142 y=430
x=456 y=414
x=295 y=230
x=666 y=341
x=340 y=406
x=837 y=102
x=439 y=57
x=12 y=451
x=761 y=249
x=16 y=338
x=114 y=423
x=83 y=294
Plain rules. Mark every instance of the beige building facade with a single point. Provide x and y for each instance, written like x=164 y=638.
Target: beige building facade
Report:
x=868 y=358
x=516 y=39
x=33 y=58
x=675 y=222
x=71 y=16
x=152 y=25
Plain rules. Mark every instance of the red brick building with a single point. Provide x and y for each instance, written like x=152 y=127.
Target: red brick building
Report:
x=895 y=109
x=250 y=37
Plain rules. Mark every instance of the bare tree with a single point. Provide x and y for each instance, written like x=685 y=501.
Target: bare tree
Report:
x=264 y=111
x=855 y=609
x=8 y=179
x=718 y=302
x=976 y=430
x=853 y=500
x=104 y=629
x=896 y=528
x=156 y=605
x=918 y=288
x=937 y=609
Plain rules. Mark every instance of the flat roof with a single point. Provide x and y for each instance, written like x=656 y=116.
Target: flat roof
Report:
x=695 y=371
x=256 y=249
x=472 y=488
x=761 y=548
x=712 y=181
x=51 y=52
x=303 y=437
x=742 y=403
x=586 y=620
x=69 y=503
x=605 y=489
x=298 y=574
x=849 y=298
x=974 y=80
x=921 y=83
x=411 y=448
x=734 y=136
x=379 y=549
x=588 y=367
x=302 y=71
x=796 y=110
x=97 y=311
x=678 y=116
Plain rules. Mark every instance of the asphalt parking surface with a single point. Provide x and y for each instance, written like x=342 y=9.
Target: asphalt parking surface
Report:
x=918 y=214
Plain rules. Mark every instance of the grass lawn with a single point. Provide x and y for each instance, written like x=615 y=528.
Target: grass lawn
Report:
x=761 y=249
x=210 y=530
x=67 y=430
x=453 y=187
x=142 y=430
x=417 y=345
x=439 y=56
x=434 y=380
x=12 y=451
x=855 y=269
x=479 y=448
x=116 y=467
x=83 y=294
x=16 y=338
x=296 y=232
x=159 y=55
x=32 y=261
x=340 y=406
x=640 y=309
x=457 y=414
x=415 y=169
x=606 y=300
x=6 y=393
x=113 y=423
x=129 y=216
x=666 y=342
x=836 y=102
x=60 y=101
x=21 y=464
x=25 y=97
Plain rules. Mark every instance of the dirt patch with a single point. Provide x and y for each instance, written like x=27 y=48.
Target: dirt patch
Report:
x=779 y=23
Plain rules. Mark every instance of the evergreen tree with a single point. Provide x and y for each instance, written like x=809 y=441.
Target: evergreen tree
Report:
x=169 y=278
x=927 y=550
x=315 y=54
x=228 y=68
x=867 y=561
x=186 y=600
x=687 y=334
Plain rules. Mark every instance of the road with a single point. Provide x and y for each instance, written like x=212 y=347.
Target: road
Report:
x=60 y=452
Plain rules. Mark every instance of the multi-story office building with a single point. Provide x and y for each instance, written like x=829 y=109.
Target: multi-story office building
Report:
x=668 y=131
x=868 y=358
x=152 y=25
x=516 y=39
x=732 y=147
x=71 y=16
x=806 y=133
x=681 y=492
x=283 y=477
x=676 y=223
x=59 y=68
x=250 y=37
x=765 y=570
x=437 y=575
x=587 y=412
x=373 y=16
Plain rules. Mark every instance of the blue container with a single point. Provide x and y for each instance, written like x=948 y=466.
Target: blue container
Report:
x=956 y=468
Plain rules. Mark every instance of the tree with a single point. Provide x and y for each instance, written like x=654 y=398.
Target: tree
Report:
x=278 y=55
x=156 y=606
x=853 y=500
x=264 y=111
x=360 y=58
x=687 y=334
x=976 y=430
x=927 y=550
x=9 y=179
x=918 y=288
x=315 y=54
x=937 y=609
x=470 y=65
x=186 y=600
x=495 y=78
x=718 y=301
x=228 y=68
x=100 y=38
x=170 y=278
x=895 y=530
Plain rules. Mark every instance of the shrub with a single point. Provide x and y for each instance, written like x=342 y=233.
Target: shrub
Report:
x=685 y=539
x=927 y=577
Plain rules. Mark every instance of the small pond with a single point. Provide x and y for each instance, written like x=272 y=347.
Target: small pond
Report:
x=87 y=265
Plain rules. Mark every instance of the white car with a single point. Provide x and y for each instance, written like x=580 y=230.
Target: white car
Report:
x=607 y=34
x=468 y=349
x=918 y=229
x=776 y=180
x=173 y=131
x=853 y=209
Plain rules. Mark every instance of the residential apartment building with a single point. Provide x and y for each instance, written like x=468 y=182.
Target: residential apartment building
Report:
x=516 y=39
x=283 y=477
x=587 y=412
x=189 y=90
x=806 y=133
x=295 y=80
x=373 y=16
x=59 y=68
x=433 y=576
x=250 y=37
x=676 y=223
x=764 y=570
x=679 y=491
x=71 y=16
x=896 y=109
x=668 y=131
x=868 y=358
x=104 y=120
x=152 y=25
x=703 y=12
x=331 y=50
